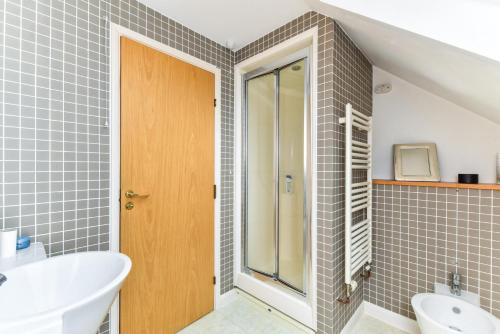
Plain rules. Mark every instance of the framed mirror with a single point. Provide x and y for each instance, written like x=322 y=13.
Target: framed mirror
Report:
x=416 y=162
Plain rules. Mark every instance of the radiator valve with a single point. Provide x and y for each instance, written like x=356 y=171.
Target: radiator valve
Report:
x=367 y=271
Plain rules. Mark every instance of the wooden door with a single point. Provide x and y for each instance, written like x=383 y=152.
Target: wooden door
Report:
x=167 y=153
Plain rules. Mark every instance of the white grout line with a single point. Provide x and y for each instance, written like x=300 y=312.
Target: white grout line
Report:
x=99 y=147
x=468 y=241
x=3 y=114
x=50 y=130
x=76 y=128
x=491 y=250
x=20 y=103
x=63 y=115
x=36 y=125
x=88 y=132
x=426 y=189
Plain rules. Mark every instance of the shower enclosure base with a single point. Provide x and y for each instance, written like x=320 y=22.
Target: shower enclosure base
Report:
x=277 y=282
x=278 y=296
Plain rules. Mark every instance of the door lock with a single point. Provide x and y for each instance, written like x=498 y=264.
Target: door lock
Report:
x=129 y=206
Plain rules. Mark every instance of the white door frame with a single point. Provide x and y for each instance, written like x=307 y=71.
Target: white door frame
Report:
x=117 y=31
x=305 y=313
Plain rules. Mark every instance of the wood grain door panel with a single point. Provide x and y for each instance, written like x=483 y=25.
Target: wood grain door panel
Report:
x=167 y=151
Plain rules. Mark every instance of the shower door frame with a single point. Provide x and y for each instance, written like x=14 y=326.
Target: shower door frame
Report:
x=302 y=55
x=302 y=309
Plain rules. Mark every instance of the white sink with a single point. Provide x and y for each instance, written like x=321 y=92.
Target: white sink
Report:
x=68 y=294
x=439 y=314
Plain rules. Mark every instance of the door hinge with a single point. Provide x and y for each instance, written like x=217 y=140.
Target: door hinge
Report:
x=215 y=191
x=215 y=102
x=215 y=280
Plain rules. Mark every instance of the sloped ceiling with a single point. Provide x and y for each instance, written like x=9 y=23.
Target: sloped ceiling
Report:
x=462 y=77
x=471 y=25
x=429 y=43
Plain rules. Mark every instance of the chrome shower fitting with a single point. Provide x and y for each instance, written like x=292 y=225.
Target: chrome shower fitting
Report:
x=455 y=288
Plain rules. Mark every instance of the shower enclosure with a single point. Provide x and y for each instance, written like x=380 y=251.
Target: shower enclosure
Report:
x=276 y=174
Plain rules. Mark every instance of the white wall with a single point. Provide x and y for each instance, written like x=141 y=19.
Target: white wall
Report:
x=466 y=142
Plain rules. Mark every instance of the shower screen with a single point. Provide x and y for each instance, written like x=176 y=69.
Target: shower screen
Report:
x=276 y=215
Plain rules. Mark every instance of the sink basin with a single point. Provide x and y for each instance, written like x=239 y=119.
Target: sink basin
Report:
x=440 y=314
x=69 y=294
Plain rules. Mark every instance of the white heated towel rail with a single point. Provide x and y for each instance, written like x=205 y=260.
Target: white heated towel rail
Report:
x=358 y=196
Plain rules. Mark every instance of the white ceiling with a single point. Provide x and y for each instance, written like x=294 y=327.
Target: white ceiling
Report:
x=239 y=21
x=429 y=43
x=462 y=77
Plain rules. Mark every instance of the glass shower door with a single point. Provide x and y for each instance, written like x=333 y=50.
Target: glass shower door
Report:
x=291 y=197
x=275 y=174
x=260 y=189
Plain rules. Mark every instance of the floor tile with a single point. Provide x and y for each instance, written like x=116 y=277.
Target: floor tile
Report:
x=370 y=325
x=243 y=315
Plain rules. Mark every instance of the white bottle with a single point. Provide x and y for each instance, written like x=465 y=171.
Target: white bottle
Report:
x=8 y=241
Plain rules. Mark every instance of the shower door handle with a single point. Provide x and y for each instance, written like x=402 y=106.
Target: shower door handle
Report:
x=288 y=183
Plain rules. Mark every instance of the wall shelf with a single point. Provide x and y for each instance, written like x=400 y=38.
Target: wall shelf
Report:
x=480 y=186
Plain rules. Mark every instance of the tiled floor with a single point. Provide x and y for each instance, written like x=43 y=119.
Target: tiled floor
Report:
x=243 y=315
x=370 y=325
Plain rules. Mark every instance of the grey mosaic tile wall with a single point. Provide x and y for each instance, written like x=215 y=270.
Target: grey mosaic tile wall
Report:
x=344 y=75
x=54 y=98
x=55 y=181
x=55 y=145
x=420 y=233
x=352 y=83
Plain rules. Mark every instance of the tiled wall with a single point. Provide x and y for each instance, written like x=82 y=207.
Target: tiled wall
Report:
x=344 y=75
x=421 y=232
x=54 y=63
x=55 y=145
x=55 y=184
x=352 y=83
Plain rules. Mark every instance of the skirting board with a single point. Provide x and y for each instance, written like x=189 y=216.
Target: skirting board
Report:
x=391 y=318
x=394 y=319
x=349 y=327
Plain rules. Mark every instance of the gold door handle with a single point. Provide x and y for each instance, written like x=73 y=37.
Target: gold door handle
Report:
x=132 y=194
